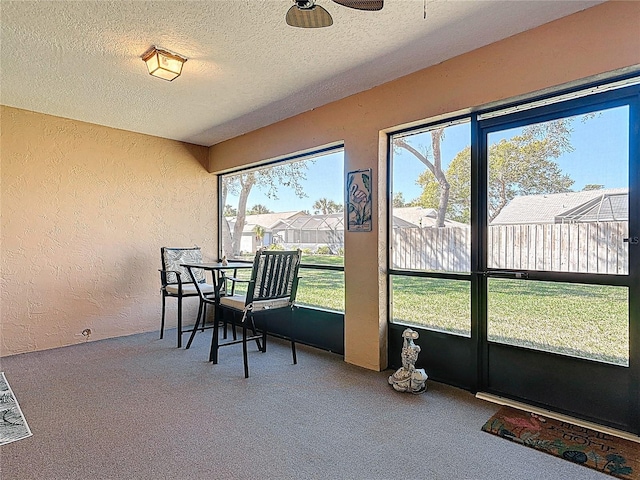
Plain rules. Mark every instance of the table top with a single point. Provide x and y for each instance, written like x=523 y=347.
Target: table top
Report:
x=218 y=265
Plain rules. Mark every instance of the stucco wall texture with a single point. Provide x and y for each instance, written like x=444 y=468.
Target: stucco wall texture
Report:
x=598 y=40
x=85 y=210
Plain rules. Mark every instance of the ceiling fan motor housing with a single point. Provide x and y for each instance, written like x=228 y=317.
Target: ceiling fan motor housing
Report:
x=304 y=4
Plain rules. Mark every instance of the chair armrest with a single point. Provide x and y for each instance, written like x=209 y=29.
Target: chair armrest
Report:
x=163 y=277
x=234 y=279
x=168 y=271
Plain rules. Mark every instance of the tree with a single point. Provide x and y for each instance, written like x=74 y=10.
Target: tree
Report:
x=259 y=232
x=258 y=209
x=229 y=211
x=399 y=201
x=326 y=206
x=524 y=164
x=521 y=165
x=592 y=186
x=269 y=179
x=459 y=206
x=434 y=166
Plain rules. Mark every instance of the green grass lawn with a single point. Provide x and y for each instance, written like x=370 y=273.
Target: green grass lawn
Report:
x=432 y=303
x=311 y=259
x=321 y=288
x=588 y=321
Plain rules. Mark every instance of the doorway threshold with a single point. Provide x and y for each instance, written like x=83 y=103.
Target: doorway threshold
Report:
x=489 y=397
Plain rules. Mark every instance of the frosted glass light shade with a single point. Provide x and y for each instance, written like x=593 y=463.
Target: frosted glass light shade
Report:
x=163 y=64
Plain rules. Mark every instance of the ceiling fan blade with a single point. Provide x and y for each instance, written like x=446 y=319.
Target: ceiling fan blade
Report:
x=369 y=5
x=315 y=17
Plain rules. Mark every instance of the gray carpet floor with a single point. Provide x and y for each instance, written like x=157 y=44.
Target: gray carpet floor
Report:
x=138 y=408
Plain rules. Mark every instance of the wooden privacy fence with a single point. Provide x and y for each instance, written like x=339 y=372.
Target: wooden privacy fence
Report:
x=443 y=249
x=596 y=247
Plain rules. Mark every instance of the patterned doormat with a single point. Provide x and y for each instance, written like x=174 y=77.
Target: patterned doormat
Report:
x=13 y=425
x=603 y=452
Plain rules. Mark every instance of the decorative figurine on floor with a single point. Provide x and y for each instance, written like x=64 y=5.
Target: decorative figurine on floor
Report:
x=409 y=378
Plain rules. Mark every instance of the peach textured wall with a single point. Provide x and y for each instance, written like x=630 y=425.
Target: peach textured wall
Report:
x=85 y=210
x=598 y=40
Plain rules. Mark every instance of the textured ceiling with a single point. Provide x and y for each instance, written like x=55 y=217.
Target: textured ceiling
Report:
x=247 y=68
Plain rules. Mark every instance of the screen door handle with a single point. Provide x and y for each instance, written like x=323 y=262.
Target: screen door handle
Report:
x=505 y=274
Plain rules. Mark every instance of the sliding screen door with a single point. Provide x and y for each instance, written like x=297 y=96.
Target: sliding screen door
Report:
x=559 y=224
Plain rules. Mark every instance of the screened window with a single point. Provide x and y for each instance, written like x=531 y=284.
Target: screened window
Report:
x=430 y=227
x=290 y=204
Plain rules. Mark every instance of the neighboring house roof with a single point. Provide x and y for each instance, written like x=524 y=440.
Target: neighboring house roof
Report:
x=587 y=206
x=401 y=223
x=419 y=217
x=332 y=221
x=265 y=220
x=298 y=220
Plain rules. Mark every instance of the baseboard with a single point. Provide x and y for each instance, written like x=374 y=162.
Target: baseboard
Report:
x=558 y=416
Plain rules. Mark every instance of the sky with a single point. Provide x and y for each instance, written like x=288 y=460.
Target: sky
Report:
x=600 y=156
x=600 y=153
x=324 y=180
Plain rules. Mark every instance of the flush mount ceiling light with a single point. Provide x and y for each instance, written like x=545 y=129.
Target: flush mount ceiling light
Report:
x=163 y=64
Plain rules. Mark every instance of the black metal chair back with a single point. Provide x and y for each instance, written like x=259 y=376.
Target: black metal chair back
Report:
x=272 y=288
x=176 y=281
x=274 y=279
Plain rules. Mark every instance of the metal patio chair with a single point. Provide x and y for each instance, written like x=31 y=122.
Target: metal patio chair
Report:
x=271 y=293
x=177 y=283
